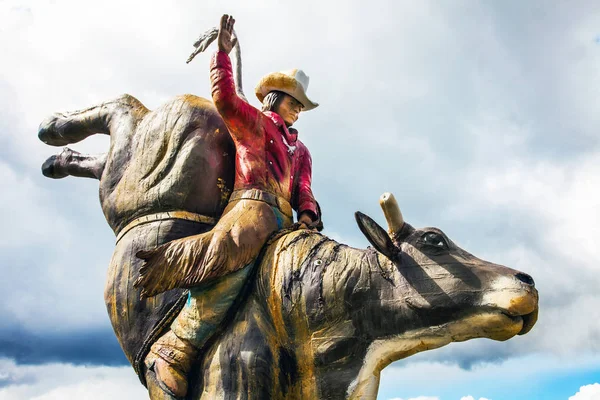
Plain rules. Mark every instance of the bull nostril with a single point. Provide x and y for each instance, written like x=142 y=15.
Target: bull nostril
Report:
x=525 y=278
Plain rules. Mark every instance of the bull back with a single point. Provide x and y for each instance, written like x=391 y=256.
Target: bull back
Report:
x=178 y=157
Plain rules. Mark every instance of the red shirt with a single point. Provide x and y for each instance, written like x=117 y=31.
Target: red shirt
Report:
x=269 y=156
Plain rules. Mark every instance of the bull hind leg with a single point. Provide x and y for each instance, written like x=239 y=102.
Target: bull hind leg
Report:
x=70 y=162
x=61 y=129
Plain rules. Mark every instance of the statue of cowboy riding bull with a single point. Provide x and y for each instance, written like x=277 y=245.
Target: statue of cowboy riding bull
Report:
x=214 y=292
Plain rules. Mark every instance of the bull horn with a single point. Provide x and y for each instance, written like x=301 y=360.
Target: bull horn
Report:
x=392 y=213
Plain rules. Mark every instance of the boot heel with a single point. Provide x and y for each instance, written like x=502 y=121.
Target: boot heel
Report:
x=169 y=379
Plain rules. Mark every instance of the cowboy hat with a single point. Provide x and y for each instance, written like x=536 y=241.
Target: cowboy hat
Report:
x=293 y=82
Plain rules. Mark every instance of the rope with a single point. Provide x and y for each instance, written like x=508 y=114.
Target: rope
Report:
x=185 y=215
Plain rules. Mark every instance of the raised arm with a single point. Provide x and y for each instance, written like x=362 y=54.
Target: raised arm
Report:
x=241 y=118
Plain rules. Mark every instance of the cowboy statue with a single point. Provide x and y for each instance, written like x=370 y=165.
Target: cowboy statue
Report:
x=272 y=177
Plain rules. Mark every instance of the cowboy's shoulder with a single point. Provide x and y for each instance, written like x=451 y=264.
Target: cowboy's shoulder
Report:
x=302 y=149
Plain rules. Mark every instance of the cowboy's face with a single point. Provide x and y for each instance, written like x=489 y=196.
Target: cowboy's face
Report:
x=288 y=109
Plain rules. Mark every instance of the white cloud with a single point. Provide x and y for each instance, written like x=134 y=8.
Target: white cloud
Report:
x=588 y=392
x=417 y=398
x=560 y=194
x=560 y=202
x=32 y=222
x=64 y=381
x=436 y=398
x=70 y=264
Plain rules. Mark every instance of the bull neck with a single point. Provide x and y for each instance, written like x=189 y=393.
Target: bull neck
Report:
x=290 y=134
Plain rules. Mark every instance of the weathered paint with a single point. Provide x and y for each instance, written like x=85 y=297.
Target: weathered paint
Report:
x=336 y=316
x=320 y=319
x=153 y=157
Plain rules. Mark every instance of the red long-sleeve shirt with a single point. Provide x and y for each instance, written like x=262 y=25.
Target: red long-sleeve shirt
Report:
x=269 y=155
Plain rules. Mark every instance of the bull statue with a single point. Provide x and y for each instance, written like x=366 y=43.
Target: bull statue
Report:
x=317 y=319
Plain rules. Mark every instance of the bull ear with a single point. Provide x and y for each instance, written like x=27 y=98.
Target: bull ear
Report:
x=376 y=235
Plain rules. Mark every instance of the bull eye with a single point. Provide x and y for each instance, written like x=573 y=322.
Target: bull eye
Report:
x=318 y=262
x=435 y=240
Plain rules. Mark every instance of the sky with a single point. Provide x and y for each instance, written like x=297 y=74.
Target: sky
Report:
x=479 y=116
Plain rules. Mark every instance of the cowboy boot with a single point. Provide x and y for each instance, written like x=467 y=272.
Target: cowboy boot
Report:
x=171 y=359
x=172 y=355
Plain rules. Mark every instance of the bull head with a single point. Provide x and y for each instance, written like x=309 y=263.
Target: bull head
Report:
x=432 y=292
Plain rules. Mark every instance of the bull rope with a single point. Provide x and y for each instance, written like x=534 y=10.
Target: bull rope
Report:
x=185 y=215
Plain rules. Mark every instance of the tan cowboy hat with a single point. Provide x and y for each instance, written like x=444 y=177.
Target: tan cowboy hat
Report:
x=293 y=82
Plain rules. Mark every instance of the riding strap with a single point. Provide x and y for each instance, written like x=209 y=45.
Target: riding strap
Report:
x=161 y=216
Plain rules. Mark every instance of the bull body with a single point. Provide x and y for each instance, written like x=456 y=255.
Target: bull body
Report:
x=178 y=157
x=323 y=319
x=318 y=319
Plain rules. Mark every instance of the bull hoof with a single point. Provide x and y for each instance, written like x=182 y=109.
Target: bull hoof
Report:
x=55 y=166
x=48 y=131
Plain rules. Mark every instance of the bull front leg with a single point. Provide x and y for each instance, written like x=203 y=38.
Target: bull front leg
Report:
x=73 y=163
x=61 y=129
